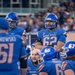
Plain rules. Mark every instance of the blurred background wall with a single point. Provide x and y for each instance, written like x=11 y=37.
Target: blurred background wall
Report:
x=24 y=7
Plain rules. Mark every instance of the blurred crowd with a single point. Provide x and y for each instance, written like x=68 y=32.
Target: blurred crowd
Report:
x=65 y=11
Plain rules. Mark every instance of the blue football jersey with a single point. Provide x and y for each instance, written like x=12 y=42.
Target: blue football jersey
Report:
x=51 y=67
x=69 y=64
x=17 y=30
x=11 y=50
x=51 y=38
x=32 y=69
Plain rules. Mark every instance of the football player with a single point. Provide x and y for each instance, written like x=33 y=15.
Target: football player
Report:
x=34 y=62
x=11 y=51
x=51 y=64
x=68 y=54
x=52 y=35
x=12 y=19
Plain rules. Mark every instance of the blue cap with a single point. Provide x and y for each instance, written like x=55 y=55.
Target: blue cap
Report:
x=3 y=24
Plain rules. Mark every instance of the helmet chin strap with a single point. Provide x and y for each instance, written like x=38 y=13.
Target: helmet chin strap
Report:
x=53 y=26
x=51 y=29
x=12 y=26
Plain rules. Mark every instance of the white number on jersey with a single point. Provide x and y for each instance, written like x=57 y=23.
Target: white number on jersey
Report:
x=58 y=69
x=52 y=40
x=6 y=56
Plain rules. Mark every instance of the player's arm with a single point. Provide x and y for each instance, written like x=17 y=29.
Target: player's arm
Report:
x=69 y=72
x=59 y=46
x=61 y=42
x=24 y=37
x=38 y=44
x=67 y=69
x=23 y=71
x=43 y=73
x=23 y=65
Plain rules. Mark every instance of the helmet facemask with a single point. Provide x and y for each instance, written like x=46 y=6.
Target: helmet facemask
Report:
x=12 y=24
x=49 y=24
x=63 y=54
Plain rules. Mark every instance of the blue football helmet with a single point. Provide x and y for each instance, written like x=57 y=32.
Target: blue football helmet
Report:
x=68 y=49
x=48 y=53
x=12 y=17
x=53 y=18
